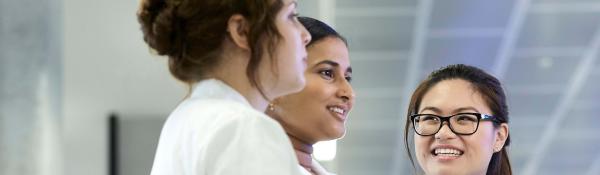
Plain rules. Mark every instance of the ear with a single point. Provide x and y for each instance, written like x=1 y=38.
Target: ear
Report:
x=501 y=136
x=237 y=28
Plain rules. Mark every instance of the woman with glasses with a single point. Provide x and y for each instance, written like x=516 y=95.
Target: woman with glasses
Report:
x=460 y=121
x=319 y=111
x=235 y=56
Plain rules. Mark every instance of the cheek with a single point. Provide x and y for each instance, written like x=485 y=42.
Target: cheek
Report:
x=422 y=145
x=482 y=143
x=317 y=95
x=289 y=37
x=313 y=101
x=308 y=101
x=317 y=89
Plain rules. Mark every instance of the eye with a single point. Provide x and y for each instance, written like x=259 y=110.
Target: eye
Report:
x=349 y=78
x=428 y=118
x=466 y=118
x=327 y=74
x=294 y=15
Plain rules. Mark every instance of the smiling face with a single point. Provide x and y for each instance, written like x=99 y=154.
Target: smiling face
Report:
x=447 y=152
x=286 y=76
x=319 y=111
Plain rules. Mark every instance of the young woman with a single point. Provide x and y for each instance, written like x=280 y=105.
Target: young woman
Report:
x=460 y=121
x=318 y=112
x=236 y=56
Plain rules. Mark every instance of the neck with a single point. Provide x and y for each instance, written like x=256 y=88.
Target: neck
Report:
x=250 y=93
x=303 y=152
x=232 y=71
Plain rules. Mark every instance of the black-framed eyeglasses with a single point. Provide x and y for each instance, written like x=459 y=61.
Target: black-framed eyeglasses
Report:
x=460 y=124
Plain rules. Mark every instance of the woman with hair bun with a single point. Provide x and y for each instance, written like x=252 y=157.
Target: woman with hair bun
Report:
x=235 y=56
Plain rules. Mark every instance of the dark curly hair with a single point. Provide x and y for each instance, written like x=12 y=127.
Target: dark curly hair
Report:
x=191 y=32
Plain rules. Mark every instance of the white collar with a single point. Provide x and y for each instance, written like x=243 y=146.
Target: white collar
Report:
x=217 y=89
x=317 y=168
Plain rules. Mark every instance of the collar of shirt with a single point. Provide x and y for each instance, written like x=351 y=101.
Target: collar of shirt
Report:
x=217 y=89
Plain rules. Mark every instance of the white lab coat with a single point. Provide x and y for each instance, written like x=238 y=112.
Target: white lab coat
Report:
x=217 y=132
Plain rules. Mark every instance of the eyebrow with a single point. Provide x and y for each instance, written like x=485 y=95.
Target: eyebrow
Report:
x=329 y=62
x=462 y=109
x=468 y=108
x=334 y=64
x=431 y=108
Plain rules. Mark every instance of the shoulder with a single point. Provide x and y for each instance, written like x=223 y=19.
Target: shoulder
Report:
x=219 y=117
x=234 y=138
x=221 y=111
x=222 y=136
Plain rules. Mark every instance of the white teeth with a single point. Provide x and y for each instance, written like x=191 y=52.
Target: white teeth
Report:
x=337 y=110
x=448 y=152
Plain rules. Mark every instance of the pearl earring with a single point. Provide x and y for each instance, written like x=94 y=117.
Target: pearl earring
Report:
x=271 y=107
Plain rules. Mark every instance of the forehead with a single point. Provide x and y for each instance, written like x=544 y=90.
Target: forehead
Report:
x=329 y=48
x=449 y=95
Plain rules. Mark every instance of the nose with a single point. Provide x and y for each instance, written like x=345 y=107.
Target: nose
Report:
x=305 y=36
x=346 y=92
x=445 y=132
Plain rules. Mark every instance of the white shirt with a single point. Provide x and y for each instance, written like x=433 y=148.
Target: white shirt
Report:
x=317 y=168
x=217 y=132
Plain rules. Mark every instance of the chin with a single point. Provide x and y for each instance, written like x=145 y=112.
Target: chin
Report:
x=299 y=84
x=339 y=133
x=445 y=170
x=290 y=87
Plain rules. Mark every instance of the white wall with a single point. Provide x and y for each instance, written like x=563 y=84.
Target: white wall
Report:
x=30 y=87
x=107 y=67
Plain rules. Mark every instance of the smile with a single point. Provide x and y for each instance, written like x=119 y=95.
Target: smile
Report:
x=447 y=152
x=339 y=112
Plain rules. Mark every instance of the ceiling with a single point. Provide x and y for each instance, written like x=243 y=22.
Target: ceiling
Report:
x=545 y=52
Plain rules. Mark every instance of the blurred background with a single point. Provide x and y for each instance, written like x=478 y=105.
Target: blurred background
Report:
x=67 y=66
